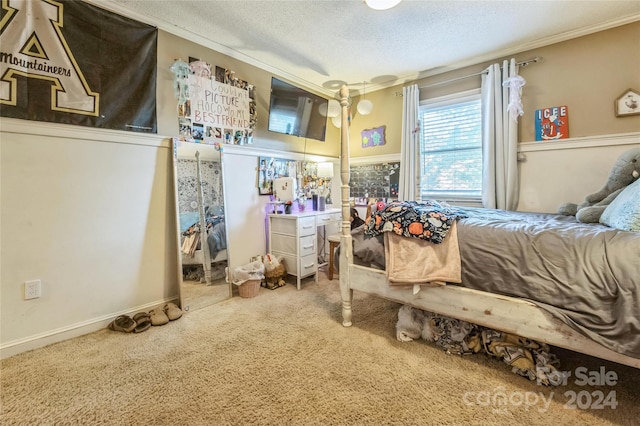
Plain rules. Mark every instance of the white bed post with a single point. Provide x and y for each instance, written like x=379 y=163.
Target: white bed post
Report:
x=204 y=245
x=346 y=250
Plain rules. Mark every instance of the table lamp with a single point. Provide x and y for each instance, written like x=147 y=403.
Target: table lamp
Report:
x=325 y=172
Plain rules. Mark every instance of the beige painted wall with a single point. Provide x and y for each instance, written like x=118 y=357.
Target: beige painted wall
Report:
x=387 y=111
x=171 y=47
x=587 y=74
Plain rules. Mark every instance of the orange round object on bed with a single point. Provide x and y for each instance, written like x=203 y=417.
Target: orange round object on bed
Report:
x=416 y=228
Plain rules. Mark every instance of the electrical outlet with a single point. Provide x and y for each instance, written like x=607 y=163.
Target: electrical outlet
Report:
x=32 y=289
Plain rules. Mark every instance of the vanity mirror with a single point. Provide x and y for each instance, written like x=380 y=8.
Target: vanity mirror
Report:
x=200 y=206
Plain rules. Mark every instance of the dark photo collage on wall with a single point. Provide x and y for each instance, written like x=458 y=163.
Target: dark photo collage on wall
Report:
x=379 y=181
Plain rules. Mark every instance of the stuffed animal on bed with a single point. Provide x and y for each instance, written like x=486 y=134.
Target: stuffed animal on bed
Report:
x=624 y=172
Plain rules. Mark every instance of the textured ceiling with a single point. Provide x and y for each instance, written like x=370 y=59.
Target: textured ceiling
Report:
x=322 y=44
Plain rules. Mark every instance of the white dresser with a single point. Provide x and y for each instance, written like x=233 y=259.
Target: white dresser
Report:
x=296 y=237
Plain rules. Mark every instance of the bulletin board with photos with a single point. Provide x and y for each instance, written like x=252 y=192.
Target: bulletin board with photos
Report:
x=305 y=172
x=379 y=181
x=270 y=168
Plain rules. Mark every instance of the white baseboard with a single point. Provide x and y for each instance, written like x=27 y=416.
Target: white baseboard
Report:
x=75 y=330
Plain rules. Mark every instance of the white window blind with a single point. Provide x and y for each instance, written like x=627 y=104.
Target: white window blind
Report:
x=283 y=121
x=451 y=148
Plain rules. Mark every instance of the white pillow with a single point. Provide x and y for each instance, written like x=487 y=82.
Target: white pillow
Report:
x=624 y=211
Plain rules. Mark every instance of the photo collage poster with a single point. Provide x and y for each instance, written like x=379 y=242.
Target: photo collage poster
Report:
x=306 y=173
x=270 y=168
x=378 y=181
x=218 y=110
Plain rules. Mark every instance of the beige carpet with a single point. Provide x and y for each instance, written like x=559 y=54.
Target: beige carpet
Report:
x=283 y=358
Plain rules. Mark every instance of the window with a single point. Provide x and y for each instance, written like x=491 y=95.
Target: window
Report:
x=451 y=148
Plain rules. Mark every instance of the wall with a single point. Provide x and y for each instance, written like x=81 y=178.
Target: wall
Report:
x=171 y=47
x=566 y=171
x=90 y=215
x=245 y=209
x=587 y=74
x=91 y=212
x=387 y=111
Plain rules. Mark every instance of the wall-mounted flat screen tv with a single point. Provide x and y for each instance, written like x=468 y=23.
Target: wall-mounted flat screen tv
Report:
x=294 y=111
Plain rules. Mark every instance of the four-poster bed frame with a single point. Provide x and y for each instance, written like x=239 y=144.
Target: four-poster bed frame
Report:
x=508 y=314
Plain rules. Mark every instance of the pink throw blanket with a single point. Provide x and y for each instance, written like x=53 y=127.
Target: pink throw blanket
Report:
x=415 y=261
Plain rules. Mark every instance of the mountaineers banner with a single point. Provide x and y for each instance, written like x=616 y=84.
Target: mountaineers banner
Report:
x=74 y=63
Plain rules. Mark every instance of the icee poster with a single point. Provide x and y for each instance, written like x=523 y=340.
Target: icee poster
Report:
x=552 y=123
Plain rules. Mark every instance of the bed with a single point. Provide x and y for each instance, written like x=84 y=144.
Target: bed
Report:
x=557 y=314
x=215 y=240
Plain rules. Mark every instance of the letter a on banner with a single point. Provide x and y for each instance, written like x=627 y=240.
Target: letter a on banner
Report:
x=31 y=30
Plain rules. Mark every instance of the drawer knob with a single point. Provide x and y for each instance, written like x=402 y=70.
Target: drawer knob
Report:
x=309 y=265
x=308 y=247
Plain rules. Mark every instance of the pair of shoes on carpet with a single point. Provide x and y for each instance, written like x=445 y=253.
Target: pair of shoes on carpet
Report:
x=124 y=323
x=161 y=316
x=143 y=321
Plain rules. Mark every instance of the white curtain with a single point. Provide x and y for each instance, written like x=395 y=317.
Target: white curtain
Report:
x=499 y=138
x=407 y=186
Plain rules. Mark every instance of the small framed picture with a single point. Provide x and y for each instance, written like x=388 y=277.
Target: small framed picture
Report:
x=373 y=137
x=628 y=103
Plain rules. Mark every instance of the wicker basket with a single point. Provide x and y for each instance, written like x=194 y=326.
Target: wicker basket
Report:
x=249 y=288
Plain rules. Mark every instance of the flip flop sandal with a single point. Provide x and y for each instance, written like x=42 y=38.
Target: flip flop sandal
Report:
x=123 y=323
x=143 y=322
x=158 y=317
x=172 y=311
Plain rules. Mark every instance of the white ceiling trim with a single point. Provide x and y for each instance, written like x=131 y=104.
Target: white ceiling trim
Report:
x=188 y=35
x=516 y=49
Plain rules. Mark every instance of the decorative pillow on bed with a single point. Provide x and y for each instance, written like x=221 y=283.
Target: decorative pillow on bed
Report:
x=624 y=211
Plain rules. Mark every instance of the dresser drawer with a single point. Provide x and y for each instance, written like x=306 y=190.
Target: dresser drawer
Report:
x=282 y=225
x=290 y=262
x=284 y=243
x=308 y=265
x=307 y=245
x=324 y=219
x=306 y=226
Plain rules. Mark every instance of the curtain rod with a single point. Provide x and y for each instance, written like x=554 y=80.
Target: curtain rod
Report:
x=521 y=63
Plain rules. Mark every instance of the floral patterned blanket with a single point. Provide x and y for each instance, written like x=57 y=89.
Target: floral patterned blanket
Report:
x=428 y=220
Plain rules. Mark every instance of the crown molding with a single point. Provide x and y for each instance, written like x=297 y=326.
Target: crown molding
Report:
x=188 y=35
x=523 y=47
x=203 y=41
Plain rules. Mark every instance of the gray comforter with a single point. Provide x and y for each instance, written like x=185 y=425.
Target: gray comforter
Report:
x=217 y=239
x=587 y=275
